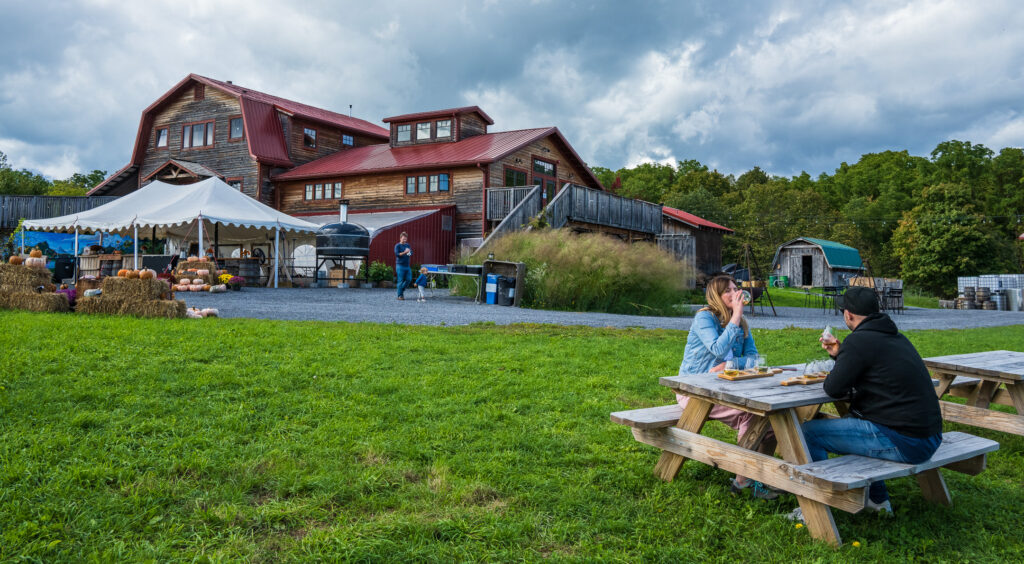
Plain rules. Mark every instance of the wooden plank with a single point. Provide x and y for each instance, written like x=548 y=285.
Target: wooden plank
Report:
x=971 y=466
x=945 y=381
x=1002 y=396
x=1016 y=394
x=649 y=418
x=981 y=395
x=692 y=419
x=756 y=432
x=761 y=467
x=985 y=418
x=854 y=471
x=933 y=487
x=1003 y=365
x=761 y=394
x=818 y=516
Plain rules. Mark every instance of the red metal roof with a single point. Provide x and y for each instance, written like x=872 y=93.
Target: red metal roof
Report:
x=262 y=128
x=299 y=109
x=441 y=113
x=478 y=149
x=693 y=220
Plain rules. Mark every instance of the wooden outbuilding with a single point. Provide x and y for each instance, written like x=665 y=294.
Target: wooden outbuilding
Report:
x=816 y=262
x=705 y=254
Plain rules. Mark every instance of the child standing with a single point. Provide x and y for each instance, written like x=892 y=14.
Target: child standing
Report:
x=421 y=281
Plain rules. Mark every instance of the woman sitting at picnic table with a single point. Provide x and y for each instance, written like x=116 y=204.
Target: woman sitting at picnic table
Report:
x=719 y=333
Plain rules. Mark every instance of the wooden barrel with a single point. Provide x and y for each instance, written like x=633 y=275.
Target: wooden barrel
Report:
x=989 y=306
x=109 y=267
x=969 y=292
x=982 y=295
x=250 y=270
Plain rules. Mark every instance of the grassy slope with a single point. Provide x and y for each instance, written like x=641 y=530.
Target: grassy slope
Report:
x=125 y=439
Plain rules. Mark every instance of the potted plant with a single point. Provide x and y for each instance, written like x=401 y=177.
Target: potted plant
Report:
x=381 y=273
x=236 y=282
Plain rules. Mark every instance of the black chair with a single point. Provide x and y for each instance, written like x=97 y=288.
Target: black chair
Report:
x=894 y=299
x=828 y=298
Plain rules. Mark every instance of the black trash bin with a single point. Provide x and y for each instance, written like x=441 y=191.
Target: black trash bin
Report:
x=506 y=290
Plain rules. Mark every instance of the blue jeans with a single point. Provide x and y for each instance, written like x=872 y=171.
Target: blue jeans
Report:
x=404 y=279
x=850 y=435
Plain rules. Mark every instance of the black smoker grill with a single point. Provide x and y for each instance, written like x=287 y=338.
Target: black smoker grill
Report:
x=342 y=241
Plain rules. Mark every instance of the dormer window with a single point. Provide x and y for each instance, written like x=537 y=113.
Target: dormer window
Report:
x=423 y=131
x=309 y=138
x=347 y=140
x=404 y=133
x=444 y=128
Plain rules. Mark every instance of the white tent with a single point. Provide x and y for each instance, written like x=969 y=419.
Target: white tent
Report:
x=179 y=212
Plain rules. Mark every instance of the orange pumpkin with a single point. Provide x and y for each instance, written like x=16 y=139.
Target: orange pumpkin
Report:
x=35 y=253
x=203 y=259
x=16 y=260
x=192 y=258
x=123 y=273
x=147 y=274
x=133 y=274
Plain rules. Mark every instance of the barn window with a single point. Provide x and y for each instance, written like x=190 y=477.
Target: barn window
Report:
x=444 y=128
x=235 y=183
x=337 y=189
x=404 y=133
x=444 y=182
x=515 y=177
x=161 y=137
x=237 y=131
x=434 y=182
x=309 y=191
x=319 y=192
x=410 y=185
x=197 y=135
x=423 y=130
x=309 y=138
x=347 y=140
x=422 y=184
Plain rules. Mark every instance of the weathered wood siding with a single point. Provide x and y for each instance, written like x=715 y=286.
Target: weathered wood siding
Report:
x=470 y=125
x=15 y=208
x=387 y=191
x=545 y=149
x=230 y=159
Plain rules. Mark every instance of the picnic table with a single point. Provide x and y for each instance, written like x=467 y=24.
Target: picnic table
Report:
x=840 y=482
x=984 y=378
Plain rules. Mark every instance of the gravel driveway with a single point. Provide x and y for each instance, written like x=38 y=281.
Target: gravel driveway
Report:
x=380 y=306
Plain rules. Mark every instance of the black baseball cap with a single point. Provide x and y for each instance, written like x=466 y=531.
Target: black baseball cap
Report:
x=858 y=300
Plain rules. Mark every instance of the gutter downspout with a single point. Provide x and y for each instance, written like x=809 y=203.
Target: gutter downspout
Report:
x=485 y=169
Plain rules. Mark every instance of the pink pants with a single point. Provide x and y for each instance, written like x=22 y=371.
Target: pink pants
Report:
x=739 y=420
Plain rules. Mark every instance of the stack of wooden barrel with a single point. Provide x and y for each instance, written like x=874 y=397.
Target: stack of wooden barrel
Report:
x=976 y=298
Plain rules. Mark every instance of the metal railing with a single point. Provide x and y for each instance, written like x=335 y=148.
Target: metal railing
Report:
x=14 y=208
x=502 y=200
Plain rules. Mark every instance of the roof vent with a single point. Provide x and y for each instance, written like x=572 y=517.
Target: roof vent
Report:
x=229 y=82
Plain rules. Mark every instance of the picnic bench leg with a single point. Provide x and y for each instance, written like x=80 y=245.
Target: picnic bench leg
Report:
x=1016 y=392
x=817 y=515
x=692 y=419
x=945 y=381
x=933 y=487
x=755 y=436
x=982 y=395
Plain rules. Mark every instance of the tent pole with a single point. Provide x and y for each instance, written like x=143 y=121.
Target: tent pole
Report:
x=201 y=252
x=136 y=246
x=277 y=253
x=22 y=240
x=216 y=240
x=75 y=275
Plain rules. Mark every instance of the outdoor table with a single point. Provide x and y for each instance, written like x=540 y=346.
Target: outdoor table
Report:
x=782 y=408
x=983 y=378
x=433 y=272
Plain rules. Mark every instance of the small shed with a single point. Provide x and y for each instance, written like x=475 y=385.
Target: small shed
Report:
x=816 y=262
x=694 y=240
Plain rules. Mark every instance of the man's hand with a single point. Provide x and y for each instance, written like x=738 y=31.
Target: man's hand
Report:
x=832 y=345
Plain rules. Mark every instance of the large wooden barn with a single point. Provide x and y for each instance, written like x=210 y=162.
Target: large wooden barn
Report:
x=816 y=262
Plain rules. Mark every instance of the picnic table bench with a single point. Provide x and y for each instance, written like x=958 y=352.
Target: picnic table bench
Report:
x=839 y=482
x=984 y=378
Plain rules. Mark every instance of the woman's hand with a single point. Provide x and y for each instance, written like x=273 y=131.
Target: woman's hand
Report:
x=736 y=305
x=718 y=368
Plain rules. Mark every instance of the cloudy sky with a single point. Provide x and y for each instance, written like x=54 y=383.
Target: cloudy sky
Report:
x=784 y=85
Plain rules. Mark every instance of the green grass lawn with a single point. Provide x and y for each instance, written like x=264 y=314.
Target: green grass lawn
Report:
x=795 y=297
x=225 y=440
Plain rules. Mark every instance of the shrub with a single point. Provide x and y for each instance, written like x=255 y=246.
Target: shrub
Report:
x=380 y=271
x=592 y=272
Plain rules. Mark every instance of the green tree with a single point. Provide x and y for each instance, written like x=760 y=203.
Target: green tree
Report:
x=20 y=182
x=945 y=236
x=77 y=185
x=646 y=181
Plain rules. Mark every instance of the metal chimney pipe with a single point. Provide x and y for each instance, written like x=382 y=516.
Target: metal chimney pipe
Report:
x=343 y=210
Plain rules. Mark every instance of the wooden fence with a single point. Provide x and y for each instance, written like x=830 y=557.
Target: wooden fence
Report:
x=15 y=208
x=518 y=216
x=588 y=205
x=684 y=248
x=501 y=201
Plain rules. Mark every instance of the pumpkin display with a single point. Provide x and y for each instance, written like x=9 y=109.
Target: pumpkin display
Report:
x=147 y=274
x=35 y=262
x=198 y=281
x=16 y=260
x=204 y=259
x=202 y=272
x=133 y=275
x=35 y=253
x=209 y=312
x=193 y=258
x=196 y=288
x=123 y=273
x=206 y=288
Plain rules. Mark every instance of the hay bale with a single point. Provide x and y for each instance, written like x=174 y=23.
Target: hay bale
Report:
x=84 y=284
x=184 y=265
x=171 y=309
x=20 y=278
x=31 y=301
x=134 y=289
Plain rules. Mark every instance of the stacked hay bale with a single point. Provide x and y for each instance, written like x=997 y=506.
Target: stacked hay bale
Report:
x=141 y=297
x=196 y=274
x=29 y=288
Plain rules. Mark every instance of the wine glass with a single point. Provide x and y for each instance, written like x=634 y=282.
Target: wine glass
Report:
x=761 y=361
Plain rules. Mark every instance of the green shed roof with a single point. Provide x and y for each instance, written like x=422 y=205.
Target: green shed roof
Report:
x=837 y=255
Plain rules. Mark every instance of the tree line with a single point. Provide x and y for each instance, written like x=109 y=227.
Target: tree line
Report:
x=926 y=220
x=27 y=183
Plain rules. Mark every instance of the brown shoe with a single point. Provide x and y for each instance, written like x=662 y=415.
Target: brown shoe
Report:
x=401 y=298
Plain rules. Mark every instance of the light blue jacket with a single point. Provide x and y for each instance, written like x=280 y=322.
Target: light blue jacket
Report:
x=709 y=344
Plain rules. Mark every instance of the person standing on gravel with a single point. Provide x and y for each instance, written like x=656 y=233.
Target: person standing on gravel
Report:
x=403 y=252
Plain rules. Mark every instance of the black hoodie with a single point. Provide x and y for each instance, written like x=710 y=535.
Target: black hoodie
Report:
x=884 y=378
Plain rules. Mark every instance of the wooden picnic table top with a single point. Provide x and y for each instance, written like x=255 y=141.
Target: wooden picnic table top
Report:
x=1002 y=365
x=764 y=395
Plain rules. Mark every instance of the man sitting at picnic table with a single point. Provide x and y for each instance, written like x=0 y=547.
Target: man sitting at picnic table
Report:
x=894 y=412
